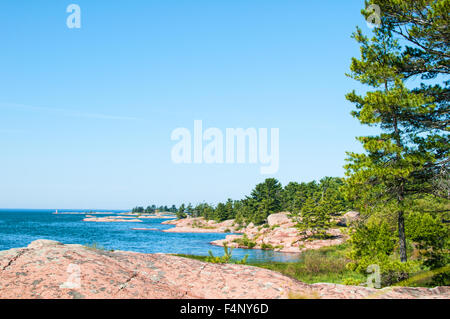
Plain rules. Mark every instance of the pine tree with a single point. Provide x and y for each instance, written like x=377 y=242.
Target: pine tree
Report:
x=181 y=213
x=189 y=209
x=402 y=161
x=220 y=213
x=315 y=218
x=229 y=207
x=290 y=200
x=307 y=214
x=267 y=199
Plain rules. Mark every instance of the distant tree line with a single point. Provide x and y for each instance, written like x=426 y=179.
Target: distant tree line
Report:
x=153 y=209
x=322 y=198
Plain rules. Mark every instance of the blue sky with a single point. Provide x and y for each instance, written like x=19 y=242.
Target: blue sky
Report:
x=86 y=114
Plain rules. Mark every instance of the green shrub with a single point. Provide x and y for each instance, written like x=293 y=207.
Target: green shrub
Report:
x=323 y=265
x=226 y=258
x=432 y=241
x=197 y=224
x=245 y=241
x=374 y=244
x=265 y=246
x=320 y=263
x=352 y=281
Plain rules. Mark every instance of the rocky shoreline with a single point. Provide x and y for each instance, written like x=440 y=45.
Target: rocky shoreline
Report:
x=111 y=219
x=279 y=234
x=200 y=225
x=50 y=270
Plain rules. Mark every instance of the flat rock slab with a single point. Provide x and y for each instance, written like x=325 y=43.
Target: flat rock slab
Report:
x=112 y=219
x=48 y=269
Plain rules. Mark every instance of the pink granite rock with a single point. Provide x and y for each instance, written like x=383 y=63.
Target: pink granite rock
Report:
x=278 y=219
x=112 y=219
x=282 y=236
x=200 y=225
x=51 y=270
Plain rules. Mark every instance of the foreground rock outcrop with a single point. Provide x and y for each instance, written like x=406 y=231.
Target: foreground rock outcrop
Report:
x=48 y=269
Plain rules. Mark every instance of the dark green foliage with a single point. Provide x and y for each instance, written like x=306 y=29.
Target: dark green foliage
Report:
x=181 y=213
x=295 y=195
x=433 y=243
x=370 y=241
x=317 y=203
x=203 y=210
x=332 y=197
x=409 y=158
x=220 y=213
x=315 y=218
x=153 y=208
x=138 y=210
x=265 y=246
x=374 y=244
x=229 y=210
x=245 y=241
x=189 y=209
x=269 y=197
x=265 y=200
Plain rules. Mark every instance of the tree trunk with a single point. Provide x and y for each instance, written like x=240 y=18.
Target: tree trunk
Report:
x=402 y=236
x=401 y=217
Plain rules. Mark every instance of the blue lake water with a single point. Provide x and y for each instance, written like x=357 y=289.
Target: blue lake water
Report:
x=20 y=227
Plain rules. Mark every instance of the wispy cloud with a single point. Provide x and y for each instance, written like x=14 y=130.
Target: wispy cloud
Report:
x=70 y=113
